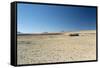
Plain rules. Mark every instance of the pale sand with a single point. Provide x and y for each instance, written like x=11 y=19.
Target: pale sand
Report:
x=56 y=48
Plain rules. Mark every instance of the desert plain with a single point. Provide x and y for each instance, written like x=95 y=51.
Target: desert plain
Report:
x=35 y=49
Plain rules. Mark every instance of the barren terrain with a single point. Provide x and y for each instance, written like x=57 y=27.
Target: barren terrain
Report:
x=35 y=49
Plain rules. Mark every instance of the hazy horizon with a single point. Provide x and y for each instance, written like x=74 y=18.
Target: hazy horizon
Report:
x=33 y=18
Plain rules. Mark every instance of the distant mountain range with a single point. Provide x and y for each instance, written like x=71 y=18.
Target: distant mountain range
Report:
x=44 y=33
x=19 y=33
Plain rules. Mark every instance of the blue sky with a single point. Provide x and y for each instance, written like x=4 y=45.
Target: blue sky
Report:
x=33 y=18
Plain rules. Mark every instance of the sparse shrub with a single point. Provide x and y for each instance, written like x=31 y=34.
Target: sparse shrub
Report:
x=24 y=42
x=28 y=42
x=76 y=34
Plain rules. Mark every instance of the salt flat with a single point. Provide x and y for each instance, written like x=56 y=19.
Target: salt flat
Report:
x=33 y=49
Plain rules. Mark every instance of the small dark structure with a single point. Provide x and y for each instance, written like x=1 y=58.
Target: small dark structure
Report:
x=75 y=34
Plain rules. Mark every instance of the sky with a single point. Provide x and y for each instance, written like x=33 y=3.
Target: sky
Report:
x=33 y=18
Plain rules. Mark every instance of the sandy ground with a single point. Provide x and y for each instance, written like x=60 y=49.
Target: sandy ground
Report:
x=56 y=48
